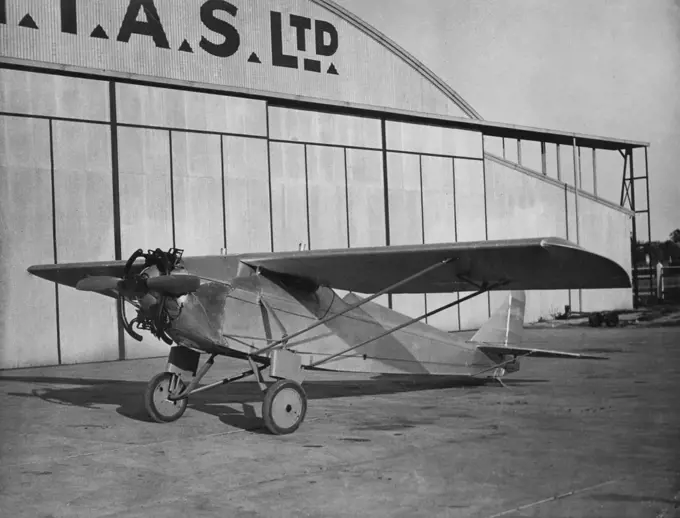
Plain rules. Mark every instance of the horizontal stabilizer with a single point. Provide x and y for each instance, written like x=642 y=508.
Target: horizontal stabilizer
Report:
x=492 y=350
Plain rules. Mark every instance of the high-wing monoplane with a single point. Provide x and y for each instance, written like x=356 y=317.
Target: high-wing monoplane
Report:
x=280 y=311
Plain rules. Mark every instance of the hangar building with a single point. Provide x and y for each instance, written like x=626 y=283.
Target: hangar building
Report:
x=259 y=125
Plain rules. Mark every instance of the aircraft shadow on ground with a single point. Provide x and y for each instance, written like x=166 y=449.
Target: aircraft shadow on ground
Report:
x=128 y=395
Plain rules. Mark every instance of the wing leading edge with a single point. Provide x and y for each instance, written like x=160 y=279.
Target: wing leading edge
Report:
x=523 y=264
x=526 y=264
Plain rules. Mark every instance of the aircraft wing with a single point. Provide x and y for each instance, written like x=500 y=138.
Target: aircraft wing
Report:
x=535 y=353
x=70 y=273
x=526 y=264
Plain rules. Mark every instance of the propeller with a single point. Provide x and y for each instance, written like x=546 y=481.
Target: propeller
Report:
x=170 y=285
x=174 y=285
x=152 y=293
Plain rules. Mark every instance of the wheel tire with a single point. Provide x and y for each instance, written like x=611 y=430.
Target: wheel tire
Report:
x=155 y=399
x=612 y=320
x=284 y=407
x=595 y=320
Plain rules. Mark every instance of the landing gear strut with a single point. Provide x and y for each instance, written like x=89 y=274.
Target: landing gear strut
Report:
x=166 y=398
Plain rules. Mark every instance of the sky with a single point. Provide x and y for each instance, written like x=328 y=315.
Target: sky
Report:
x=602 y=67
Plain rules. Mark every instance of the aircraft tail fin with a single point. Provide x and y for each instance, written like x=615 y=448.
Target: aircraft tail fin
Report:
x=506 y=325
x=501 y=335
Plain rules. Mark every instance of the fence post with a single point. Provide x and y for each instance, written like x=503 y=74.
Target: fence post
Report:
x=659 y=281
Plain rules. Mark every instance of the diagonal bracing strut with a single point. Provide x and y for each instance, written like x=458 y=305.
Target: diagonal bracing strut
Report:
x=482 y=289
x=353 y=306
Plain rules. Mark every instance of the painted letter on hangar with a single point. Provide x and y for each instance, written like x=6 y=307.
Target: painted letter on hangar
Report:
x=311 y=49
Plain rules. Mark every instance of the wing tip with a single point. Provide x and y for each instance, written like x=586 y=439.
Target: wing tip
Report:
x=547 y=242
x=41 y=270
x=617 y=276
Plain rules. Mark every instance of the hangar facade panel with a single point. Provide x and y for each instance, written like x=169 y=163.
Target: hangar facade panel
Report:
x=27 y=233
x=137 y=145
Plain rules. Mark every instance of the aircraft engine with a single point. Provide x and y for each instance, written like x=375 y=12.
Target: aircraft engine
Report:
x=158 y=290
x=166 y=286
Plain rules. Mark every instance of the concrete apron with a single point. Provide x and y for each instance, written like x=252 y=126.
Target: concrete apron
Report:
x=567 y=438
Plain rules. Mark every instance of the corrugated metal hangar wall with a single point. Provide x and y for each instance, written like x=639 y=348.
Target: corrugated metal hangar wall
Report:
x=94 y=168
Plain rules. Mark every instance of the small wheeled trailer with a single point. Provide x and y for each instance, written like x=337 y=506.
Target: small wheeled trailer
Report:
x=609 y=318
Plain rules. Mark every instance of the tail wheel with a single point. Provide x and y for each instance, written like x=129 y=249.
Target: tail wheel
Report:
x=156 y=401
x=284 y=407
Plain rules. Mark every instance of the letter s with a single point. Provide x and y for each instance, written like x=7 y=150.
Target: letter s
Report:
x=232 y=40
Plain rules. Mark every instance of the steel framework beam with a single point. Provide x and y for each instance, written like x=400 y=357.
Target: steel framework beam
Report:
x=628 y=199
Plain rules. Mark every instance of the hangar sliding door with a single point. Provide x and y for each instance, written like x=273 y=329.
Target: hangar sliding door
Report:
x=436 y=193
x=83 y=198
x=246 y=194
x=56 y=205
x=28 y=314
x=327 y=181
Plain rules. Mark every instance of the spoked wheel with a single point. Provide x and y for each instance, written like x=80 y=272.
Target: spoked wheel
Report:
x=284 y=407
x=156 y=401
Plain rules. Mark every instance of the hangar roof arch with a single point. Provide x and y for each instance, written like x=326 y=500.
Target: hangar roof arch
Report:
x=401 y=53
x=300 y=49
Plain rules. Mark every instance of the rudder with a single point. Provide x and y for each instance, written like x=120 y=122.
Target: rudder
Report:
x=506 y=325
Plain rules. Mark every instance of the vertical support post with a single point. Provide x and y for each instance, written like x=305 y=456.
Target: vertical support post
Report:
x=309 y=230
x=54 y=239
x=115 y=184
x=224 y=197
x=519 y=151
x=594 y=171
x=631 y=183
x=649 y=219
x=544 y=163
x=422 y=211
x=172 y=187
x=649 y=214
x=577 y=188
x=566 y=216
x=503 y=139
x=580 y=169
x=486 y=226
x=269 y=179
x=386 y=192
x=623 y=178
x=559 y=164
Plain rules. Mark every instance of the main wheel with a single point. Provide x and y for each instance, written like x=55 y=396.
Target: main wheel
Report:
x=156 y=401
x=611 y=320
x=284 y=407
x=595 y=319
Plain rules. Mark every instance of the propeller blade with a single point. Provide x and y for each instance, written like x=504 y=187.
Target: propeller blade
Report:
x=174 y=285
x=98 y=283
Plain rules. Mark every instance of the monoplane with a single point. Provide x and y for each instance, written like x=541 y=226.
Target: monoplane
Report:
x=280 y=311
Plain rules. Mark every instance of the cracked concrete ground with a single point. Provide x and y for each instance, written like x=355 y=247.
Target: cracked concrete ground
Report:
x=566 y=438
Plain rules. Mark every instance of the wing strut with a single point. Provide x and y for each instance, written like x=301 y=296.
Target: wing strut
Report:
x=354 y=306
x=482 y=289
